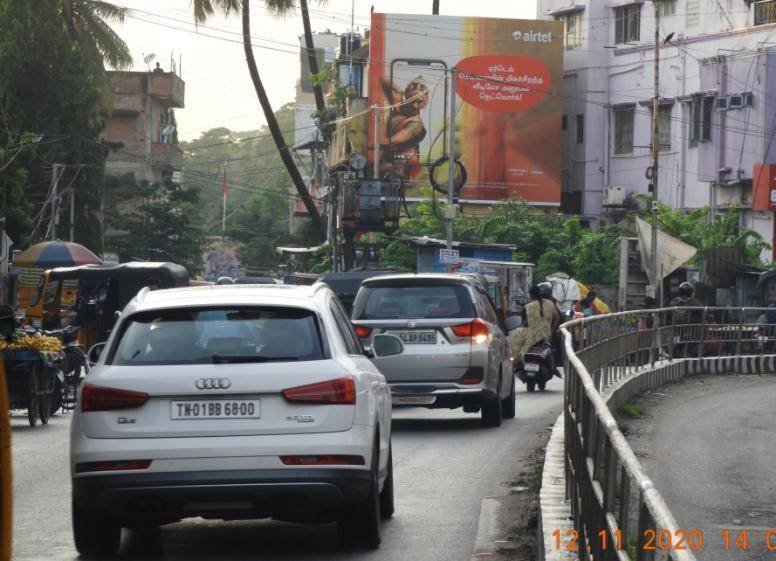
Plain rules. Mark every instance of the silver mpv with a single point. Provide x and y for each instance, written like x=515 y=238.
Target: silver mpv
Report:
x=455 y=350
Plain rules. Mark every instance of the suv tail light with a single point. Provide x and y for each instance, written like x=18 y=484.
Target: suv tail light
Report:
x=115 y=465
x=477 y=330
x=98 y=398
x=340 y=391
x=362 y=332
x=327 y=460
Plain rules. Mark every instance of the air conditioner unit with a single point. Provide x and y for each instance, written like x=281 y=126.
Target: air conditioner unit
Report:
x=723 y=103
x=748 y=99
x=736 y=101
x=614 y=196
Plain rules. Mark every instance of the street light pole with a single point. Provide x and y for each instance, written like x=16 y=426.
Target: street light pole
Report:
x=54 y=200
x=655 y=150
x=450 y=210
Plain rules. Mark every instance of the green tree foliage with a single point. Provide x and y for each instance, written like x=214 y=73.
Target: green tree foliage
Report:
x=51 y=86
x=155 y=222
x=553 y=242
x=259 y=190
x=704 y=231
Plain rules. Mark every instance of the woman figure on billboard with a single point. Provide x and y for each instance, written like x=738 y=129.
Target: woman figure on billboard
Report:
x=405 y=126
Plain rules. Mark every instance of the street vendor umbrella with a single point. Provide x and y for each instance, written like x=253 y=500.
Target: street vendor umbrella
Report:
x=47 y=255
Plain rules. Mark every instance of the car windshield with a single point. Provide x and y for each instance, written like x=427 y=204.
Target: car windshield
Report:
x=214 y=335
x=402 y=302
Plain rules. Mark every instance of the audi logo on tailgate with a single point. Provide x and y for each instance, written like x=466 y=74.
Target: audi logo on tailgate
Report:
x=213 y=383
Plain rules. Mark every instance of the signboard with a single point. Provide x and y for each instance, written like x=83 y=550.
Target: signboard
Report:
x=449 y=255
x=764 y=187
x=507 y=96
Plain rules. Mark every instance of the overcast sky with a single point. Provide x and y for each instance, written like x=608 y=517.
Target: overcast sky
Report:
x=218 y=89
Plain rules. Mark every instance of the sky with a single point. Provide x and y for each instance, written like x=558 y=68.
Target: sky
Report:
x=211 y=60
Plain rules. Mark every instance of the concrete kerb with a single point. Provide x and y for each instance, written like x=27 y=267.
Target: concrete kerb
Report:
x=554 y=508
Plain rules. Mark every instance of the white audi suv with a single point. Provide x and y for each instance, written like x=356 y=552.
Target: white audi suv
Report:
x=232 y=402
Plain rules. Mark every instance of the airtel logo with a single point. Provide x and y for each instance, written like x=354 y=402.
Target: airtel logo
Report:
x=532 y=37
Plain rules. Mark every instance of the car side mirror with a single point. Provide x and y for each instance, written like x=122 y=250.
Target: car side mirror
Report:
x=386 y=345
x=93 y=356
x=513 y=322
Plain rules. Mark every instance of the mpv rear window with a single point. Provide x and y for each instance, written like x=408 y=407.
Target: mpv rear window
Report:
x=401 y=302
x=215 y=335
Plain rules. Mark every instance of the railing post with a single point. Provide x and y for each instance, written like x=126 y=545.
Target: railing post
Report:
x=645 y=523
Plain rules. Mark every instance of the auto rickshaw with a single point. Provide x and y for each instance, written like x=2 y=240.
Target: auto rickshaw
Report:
x=90 y=295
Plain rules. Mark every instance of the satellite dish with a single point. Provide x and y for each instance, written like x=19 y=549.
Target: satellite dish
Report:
x=149 y=58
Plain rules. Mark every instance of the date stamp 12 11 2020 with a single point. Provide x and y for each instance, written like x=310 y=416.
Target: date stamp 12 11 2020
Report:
x=666 y=540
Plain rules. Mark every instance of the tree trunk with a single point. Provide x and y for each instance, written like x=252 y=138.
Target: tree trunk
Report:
x=435 y=8
x=283 y=149
x=320 y=104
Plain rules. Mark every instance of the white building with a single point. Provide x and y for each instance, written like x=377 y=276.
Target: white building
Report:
x=717 y=113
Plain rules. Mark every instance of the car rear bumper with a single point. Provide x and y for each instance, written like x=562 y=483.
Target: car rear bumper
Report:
x=164 y=497
x=445 y=394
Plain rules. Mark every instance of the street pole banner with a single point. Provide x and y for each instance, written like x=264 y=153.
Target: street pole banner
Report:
x=508 y=103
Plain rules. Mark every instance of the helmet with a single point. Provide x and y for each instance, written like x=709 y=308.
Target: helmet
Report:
x=686 y=290
x=225 y=280
x=545 y=289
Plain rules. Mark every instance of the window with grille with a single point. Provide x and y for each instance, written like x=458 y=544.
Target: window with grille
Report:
x=627 y=23
x=667 y=8
x=623 y=130
x=572 y=30
x=664 y=127
x=764 y=12
x=701 y=109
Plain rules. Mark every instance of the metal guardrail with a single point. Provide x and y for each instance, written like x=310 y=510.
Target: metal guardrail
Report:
x=602 y=472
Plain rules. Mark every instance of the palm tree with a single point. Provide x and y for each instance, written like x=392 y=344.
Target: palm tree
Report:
x=87 y=24
x=312 y=59
x=435 y=8
x=206 y=8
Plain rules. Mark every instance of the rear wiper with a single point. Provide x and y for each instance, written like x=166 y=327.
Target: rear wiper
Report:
x=219 y=359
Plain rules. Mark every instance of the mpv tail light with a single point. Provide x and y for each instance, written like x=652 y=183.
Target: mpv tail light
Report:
x=477 y=330
x=473 y=375
x=98 y=398
x=341 y=391
x=362 y=332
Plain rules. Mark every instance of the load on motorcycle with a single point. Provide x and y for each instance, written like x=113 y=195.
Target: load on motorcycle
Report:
x=530 y=344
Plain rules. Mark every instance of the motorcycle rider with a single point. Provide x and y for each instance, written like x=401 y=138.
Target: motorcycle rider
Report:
x=685 y=299
x=540 y=322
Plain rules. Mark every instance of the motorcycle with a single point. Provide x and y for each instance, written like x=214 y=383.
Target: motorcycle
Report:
x=538 y=366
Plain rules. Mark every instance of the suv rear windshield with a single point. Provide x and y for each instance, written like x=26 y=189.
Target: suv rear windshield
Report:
x=402 y=302
x=214 y=335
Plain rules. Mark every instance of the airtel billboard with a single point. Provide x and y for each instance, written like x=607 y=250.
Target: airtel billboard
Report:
x=508 y=103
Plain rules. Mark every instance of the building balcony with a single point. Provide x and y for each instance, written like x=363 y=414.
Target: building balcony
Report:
x=166 y=156
x=167 y=88
x=764 y=12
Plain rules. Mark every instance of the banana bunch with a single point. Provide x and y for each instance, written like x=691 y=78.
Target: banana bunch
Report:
x=33 y=343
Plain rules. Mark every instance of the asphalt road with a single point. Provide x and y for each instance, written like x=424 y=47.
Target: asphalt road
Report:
x=446 y=462
x=710 y=445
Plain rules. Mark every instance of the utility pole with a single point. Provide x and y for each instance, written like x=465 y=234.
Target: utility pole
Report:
x=376 y=155
x=72 y=215
x=54 y=200
x=655 y=150
x=450 y=209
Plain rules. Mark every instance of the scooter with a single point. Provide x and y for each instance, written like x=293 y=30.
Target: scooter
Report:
x=538 y=366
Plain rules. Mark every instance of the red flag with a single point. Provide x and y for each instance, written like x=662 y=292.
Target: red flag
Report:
x=224 y=187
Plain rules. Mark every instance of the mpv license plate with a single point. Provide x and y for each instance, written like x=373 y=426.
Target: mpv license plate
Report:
x=413 y=399
x=531 y=367
x=215 y=409
x=417 y=337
